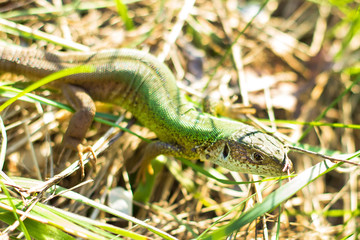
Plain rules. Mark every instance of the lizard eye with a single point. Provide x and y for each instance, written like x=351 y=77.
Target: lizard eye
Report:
x=226 y=151
x=257 y=157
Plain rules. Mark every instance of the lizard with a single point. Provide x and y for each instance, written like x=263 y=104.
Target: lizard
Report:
x=141 y=84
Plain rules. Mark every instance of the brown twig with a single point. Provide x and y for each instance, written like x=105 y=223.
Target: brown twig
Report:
x=333 y=159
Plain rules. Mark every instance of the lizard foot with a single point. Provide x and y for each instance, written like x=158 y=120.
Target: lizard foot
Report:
x=81 y=151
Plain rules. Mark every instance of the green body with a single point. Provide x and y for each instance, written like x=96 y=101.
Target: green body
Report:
x=144 y=86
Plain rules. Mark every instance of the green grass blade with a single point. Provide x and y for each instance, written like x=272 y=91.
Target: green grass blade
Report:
x=314 y=124
x=24 y=31
x=56 y=223
x=11 y=92
x=276 y=197
x=28 y=183
x=15 y=215
x=3 y=145
x=123 y=13
x=48 y=79
x=331 y=105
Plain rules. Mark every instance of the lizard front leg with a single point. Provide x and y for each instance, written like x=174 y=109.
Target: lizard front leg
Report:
x=153 y=150
x=80 y=122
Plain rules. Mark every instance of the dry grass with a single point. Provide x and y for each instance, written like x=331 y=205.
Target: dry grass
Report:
x=290 y=63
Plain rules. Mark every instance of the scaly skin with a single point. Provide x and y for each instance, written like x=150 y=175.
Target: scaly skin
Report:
x=144 y=86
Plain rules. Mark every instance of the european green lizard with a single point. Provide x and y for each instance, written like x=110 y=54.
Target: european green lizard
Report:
x=144 y=86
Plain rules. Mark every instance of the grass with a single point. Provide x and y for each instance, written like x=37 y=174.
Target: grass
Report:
x=301 y=65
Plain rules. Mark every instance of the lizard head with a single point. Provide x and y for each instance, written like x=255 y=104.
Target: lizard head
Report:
x=249 y=150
